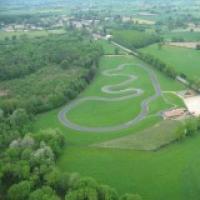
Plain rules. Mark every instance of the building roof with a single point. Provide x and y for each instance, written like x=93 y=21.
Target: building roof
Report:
x=174 y=112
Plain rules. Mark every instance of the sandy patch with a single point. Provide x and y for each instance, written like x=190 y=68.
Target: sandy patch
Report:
x=193 y=104
x=191 y=45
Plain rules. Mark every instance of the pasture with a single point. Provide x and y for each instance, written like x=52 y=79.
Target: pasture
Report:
x=183 y=60
x=139 y=171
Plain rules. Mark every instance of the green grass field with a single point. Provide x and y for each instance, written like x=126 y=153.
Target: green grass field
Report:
x=109 y=49
x=183 y=60
x=154 y=175
x=187 y=36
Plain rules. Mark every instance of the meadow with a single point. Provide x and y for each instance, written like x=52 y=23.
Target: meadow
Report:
x=183 y=60
x=154 y=175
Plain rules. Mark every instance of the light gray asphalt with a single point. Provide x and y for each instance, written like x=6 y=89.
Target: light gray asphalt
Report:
x=112 y=89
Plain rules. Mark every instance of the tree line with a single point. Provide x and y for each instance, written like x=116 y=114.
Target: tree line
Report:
x=158 y=64
x=168 y=70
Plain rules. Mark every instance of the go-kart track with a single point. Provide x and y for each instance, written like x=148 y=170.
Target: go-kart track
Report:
x=112 y=89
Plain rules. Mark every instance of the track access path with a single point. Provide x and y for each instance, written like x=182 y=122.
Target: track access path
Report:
x=112 y=89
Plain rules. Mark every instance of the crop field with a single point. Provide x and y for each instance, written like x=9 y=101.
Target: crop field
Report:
x=136 y=169
x=183 y=60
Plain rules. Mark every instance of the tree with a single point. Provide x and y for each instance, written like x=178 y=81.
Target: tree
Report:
x=116 y=51
x=58 y=181
x=198 y=47
x=19 y=119
x=85 y=188
x=82 y=194
x=19 y=191
x=160 y=45
x=45 y=193
x=6 y=38
x=107 y=193
x=131 y=197
x=53 y=138
x=14 y=38
x=191 y=127
x=66 y=64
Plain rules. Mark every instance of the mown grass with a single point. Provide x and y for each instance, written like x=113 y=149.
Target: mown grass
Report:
x=183 y=60
x=99 y=113
x=93 y=113
x=154 y=175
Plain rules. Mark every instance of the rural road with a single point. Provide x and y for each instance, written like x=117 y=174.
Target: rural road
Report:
x=124 y=48
x=112 y=89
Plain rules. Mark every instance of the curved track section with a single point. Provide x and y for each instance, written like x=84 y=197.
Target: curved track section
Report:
x=113 y=89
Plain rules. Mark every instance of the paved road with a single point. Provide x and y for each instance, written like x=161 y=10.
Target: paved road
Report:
x=112 y=89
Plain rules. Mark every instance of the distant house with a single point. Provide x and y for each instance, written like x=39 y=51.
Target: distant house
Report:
x=175 y=113
x=126 y=19
x=108 y=37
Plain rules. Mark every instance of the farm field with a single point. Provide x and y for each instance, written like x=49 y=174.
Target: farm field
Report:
x=30 y=34
x=187 y=36
x=183 y=60
x=136 y=169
